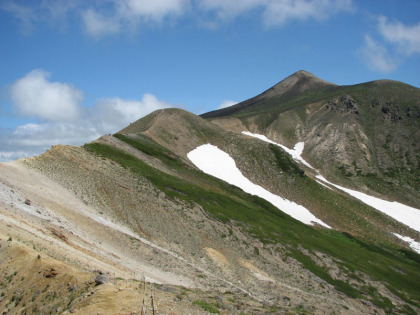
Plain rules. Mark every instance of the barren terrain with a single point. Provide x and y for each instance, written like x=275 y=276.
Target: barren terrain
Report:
x=49 y=222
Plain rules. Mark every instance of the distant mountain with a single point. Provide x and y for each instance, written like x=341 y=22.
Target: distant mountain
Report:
x=133 y=205
x=365 y=135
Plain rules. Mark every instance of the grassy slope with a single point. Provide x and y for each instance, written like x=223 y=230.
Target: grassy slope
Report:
x=398 y=269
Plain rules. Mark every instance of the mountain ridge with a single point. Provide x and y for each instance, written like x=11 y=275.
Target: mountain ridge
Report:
x=133 y=206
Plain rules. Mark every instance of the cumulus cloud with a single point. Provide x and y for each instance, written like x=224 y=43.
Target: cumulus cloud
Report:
x=57 y=104
x=128 y=14
x=112 y=114
x=14 y=155
x=277 y=12
x=33 y=95
x=407 y=38
x=226 y=103
x=47 y=134
x=35 y=138
x=376 y=56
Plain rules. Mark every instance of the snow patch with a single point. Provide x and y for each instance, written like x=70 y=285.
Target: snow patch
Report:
x=321 y=183
x=411 y=242
x=296 y=152
x=211 y=160
x=408 y=215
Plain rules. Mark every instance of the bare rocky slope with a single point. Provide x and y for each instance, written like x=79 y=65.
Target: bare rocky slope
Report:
x=131 y=208
x=365 y=136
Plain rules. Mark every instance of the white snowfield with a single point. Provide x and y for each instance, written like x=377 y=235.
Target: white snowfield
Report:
x=408 y=215
x=213 y=161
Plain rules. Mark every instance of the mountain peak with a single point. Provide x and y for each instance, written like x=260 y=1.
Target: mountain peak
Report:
x=298 y=82
x=304 y=73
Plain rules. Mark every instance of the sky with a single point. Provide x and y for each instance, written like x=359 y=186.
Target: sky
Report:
x=71 y=71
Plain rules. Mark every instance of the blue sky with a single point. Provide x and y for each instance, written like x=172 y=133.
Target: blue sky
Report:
x=74 y=70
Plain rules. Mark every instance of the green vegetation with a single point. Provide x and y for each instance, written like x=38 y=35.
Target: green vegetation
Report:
x=284 y=161
x=231 y=205
x=151 y=148
x=301 y=310
x=207 y=306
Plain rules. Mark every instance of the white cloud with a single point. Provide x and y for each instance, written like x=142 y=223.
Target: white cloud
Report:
x=33 y=139
x=407 y=38
x=99 y=18
x=128 y=14
x=35 y=96
x=27 y=130
x=226 y=9
x=277 y=12
x=24 y=14
x=112 y=114
x=226 y=103
x=58 y=9
x=283 y=11
x=53 y=12
x=155 y=10
x=55 y=102
x=14 y=155
x=391 y=45
x=110 y=17
x=51 y=133
x=376 y=56
x=97 y=25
